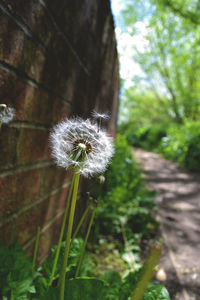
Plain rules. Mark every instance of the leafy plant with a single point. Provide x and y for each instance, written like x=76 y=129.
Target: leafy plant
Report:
x=122 y=288
x=156 y=292
x=21 y=283
x=41 y=282
x=82 y=288
x=182 y=144
x=124 y=196
x=16 y=273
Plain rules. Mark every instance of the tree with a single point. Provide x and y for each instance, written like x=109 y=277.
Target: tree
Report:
x=170 y=59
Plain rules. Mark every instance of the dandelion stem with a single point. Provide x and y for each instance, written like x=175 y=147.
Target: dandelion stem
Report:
x=62 y=231
x=148 y=273
x=68 y=237
x=80 y=223
x=36 y=247
x=85 y=242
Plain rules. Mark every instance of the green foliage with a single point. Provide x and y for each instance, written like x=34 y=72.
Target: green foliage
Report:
x=113 y=279
x=17 y=281
x=82 y=288
x=75 y=250
x=178 y=142
x=182 y=144
x=168 y=57
x=123 y=197
x=129 y=284
x=156 y=292
x=16 y=274
x=147 y=137
x=122 y=288
x=73 y=257
x=161 y=110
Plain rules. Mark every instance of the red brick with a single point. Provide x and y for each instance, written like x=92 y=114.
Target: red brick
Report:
x=49 y=68
x=31 y=103
x=53 y=177
x=40 y=214
x=8 y=233
x=8 y=144
x=34 y=16
x=18 y=189
x=61 y=75
x=49 y=238
x=19 y=51
x=33 y=145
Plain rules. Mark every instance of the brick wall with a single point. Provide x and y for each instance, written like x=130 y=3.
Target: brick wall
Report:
x=56 y=59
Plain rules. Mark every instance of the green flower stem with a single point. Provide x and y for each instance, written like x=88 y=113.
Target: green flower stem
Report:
x=62 y=231
x=68 y=237
x=85 y=242
x=36 y=247
x=80 y=223
x=148 y=273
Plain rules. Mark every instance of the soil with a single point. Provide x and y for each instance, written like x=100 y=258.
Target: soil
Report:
x=178 y=200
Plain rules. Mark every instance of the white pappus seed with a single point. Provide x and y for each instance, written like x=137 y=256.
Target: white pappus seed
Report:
x=6 y=114
x=97 y=115
x=79 y=143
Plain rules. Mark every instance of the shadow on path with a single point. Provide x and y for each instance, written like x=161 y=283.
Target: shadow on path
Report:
x=178 y=200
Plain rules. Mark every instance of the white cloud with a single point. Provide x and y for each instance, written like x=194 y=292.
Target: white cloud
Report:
x=126 y=48
x=116 y=5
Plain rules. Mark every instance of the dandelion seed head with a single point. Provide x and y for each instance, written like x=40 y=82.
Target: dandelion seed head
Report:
x=6 y=114
x=97 y=115
x=79 y=143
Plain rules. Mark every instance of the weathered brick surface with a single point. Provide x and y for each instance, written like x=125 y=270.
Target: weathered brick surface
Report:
x=18 y=190
x=48 y=238
x=33 y=145
x=56 y=60
x=32 y=14
x=31 y=103
x=38 y=215
x=8 y=147
x=8 y=233
x=50 y=181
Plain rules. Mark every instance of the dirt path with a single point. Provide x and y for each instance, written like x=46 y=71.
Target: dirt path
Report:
x=179 y=214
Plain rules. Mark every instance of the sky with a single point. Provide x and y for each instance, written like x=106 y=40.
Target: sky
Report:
x=126 y=44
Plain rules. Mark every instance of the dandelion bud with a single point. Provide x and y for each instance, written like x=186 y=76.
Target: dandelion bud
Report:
x=161 y=275
x=101 y=179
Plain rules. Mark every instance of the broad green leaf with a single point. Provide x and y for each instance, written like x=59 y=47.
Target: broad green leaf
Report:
x=156 y=292
x=85 y=288
x=82 y=288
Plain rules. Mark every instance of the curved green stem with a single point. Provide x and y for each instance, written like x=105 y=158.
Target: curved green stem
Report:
x=62 y=231
x=80 y=223
x=148 y=273
x=85 y=242
x=68 y=237
x=36 y=247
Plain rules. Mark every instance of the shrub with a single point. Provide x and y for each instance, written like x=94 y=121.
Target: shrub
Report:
x=182 y=144
x=147 y=137
x=123 y=198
